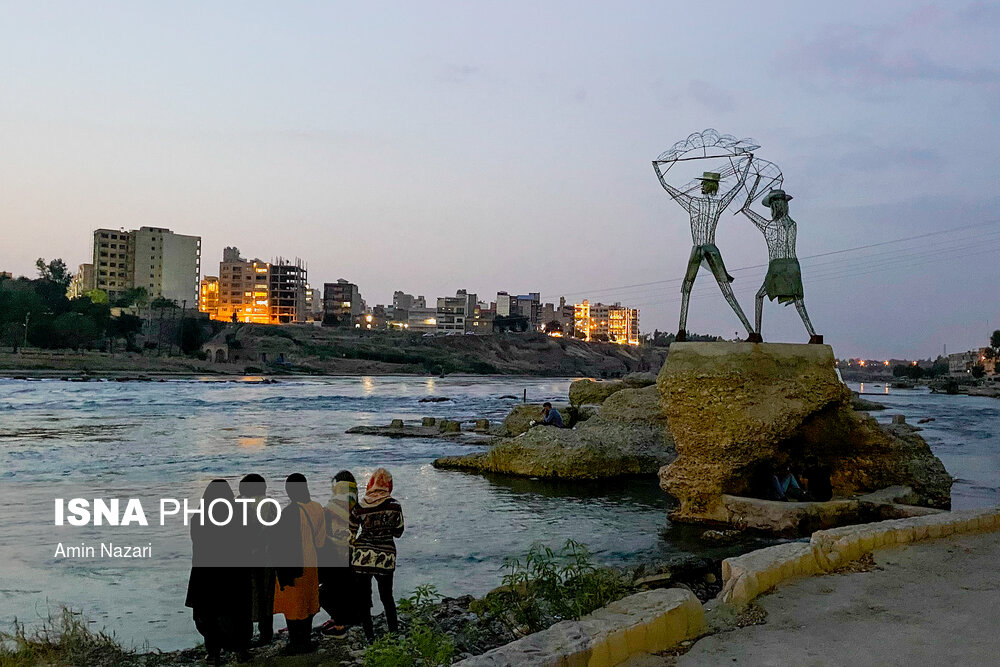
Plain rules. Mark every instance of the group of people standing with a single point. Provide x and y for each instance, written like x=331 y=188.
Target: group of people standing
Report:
x=313 y=557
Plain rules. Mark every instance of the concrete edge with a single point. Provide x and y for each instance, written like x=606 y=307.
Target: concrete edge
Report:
x=653 y=621
x=750 y=575
x=646 y=622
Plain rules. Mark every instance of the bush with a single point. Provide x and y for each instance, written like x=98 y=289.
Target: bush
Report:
x=64 y=640
x=549 y=586
x=423 y=645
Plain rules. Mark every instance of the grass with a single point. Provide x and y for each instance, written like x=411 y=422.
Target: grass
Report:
x=66 y=639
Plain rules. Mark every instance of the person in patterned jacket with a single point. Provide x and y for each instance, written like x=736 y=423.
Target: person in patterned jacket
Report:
x=376 y=522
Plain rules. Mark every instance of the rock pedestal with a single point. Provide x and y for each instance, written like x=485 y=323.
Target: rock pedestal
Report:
x=738 y=410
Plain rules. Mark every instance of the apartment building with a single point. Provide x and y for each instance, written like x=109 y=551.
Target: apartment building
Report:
x=613 y=324
x=342 y=300
x=243 y=289
x=82 y=281
x=165 y=264
x=454 y=313
x=112 y=272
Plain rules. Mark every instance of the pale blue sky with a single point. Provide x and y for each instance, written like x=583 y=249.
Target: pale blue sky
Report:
x=433 y=146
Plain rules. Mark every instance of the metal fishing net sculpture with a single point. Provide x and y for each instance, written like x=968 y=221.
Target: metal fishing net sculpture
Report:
x=784 y=276
x=729 y=160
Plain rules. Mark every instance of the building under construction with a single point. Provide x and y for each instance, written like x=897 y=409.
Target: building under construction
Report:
x=256 y=291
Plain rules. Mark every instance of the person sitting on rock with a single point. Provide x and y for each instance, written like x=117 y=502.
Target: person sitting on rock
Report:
x=787 y=486
x=550 y=417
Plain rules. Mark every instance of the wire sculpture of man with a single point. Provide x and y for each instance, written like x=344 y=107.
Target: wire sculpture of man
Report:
x=705 y=212
x=784 y=275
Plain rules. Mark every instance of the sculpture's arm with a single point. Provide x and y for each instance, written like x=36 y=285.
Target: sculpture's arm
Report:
x=756 y=218
x=731 y=195
x=678 y=196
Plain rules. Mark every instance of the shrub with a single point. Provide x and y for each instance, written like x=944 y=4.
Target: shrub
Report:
x=62 y=640
x=423 y=645
x=549 y=586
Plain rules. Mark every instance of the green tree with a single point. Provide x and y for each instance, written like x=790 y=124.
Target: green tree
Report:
x=13 y=335
x=133 y=296
x=160 y=303
x=193 y=335
x=125 y=327
x=54 y=271
x=978 y=371
x=97 y=295
x=993 y=351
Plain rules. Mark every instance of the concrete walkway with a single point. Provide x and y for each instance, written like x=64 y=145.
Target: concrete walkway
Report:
x=935 y=603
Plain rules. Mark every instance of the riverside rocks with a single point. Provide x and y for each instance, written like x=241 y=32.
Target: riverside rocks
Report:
x=737 y=410
x=595 y=392
x=628 y=436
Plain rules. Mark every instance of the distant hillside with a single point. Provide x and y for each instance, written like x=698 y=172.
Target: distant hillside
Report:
x=314 y=350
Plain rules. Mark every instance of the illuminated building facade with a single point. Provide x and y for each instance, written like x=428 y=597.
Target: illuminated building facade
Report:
x=613 y=324
x=255 y=291
x=208 y=295
x=82 y=281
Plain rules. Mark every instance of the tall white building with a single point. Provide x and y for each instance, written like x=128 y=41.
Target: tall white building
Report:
x=165 y=264
x=168 y=265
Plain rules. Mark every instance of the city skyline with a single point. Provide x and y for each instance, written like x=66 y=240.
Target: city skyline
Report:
x=450 y=146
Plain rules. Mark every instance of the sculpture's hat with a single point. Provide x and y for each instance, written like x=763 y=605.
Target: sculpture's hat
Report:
x=710 y=176
x=774 y=194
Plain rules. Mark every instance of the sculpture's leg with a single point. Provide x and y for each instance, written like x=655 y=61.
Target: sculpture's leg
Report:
x=685 y=298
x=800 y=305
x=722 y=277
x=694 y=261
x=758 y=313
x=727 y=291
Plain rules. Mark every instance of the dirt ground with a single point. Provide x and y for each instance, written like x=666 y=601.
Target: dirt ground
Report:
x=932 y=603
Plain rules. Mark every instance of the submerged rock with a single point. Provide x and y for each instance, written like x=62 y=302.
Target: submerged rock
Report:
x=864 y=405
x=739 y=410
x=628 y=436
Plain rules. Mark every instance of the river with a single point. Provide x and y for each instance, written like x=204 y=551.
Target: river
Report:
x=168 y=439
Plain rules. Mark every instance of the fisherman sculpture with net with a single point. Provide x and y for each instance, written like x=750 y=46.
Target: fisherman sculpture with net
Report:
x=784 y=276
x=735 y=156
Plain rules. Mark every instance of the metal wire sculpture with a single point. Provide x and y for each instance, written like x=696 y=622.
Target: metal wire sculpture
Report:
x=705 y=210
x=784 y=276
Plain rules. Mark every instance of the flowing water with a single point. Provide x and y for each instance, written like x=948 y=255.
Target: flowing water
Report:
x=168 y=439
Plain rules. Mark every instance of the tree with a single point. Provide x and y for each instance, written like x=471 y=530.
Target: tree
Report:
x=554 y=325
x=193 y=335
x=133 y=296
x=54 y=271
x=162 y=303
x=125 y=326
x=13 y=335
x=978 y=371
x=97 y=296
x=993 y=351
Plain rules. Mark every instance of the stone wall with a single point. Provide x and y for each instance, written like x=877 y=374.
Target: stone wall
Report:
x=747 y=576
x=646 y=622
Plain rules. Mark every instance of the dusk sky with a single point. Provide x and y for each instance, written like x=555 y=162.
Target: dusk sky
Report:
x=432 y=146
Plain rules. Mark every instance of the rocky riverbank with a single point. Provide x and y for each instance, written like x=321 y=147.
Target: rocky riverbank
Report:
x=248 y=349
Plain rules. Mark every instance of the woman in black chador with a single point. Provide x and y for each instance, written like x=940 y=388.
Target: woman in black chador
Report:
x=219 y=591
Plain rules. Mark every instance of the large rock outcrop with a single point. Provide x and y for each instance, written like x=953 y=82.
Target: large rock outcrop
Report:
x=628 y=436
x=739 y=410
